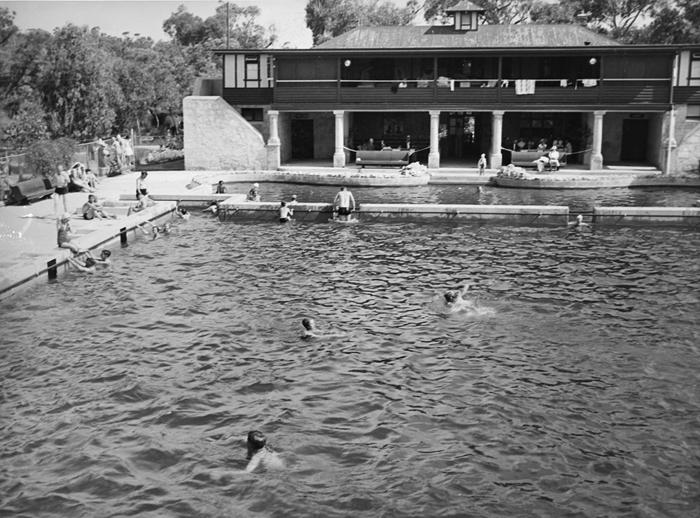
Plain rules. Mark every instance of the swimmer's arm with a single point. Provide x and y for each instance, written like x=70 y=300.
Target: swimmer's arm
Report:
x=254 y=463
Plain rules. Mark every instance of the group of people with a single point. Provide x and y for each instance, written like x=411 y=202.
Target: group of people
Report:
x=118 y=156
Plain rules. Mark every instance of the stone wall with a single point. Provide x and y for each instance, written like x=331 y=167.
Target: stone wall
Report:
x=688 y=139
x=217 y=137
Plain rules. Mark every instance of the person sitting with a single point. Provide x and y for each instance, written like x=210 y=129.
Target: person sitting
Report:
x=90 y=179
x=542 y=146
x=142 y=203
x=77 y=178
x=92 y=209
x=253 y=194
x=64 y=234
x=553 y=159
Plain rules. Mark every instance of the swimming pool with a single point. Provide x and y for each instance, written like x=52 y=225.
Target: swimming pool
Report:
x=131 y=392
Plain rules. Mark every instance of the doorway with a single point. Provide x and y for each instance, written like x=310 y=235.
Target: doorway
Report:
x=634 y=140
x=462 y=135
x=302 y=139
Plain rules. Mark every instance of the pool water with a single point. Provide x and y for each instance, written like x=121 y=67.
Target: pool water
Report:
x=573 y=392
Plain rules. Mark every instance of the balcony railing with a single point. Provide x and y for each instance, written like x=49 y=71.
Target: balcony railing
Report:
x=473 y=92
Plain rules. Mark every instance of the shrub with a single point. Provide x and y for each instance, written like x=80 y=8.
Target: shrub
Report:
x=45 y=156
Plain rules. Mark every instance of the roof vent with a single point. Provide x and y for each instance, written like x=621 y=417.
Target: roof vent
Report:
x=466 y=15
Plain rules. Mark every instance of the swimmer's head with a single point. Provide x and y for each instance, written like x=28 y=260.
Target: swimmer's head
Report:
x=579 y=218
x=256 y=441
x=89 y=262
x=294 y=197
x=283 y=204
x=450 y=297
x=308 y=323
x=105 y=254
x=256 y=185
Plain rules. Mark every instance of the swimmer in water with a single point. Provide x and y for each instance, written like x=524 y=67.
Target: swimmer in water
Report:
x=454 y=300
x=311 y=331
x=259 y=453
x=182 y=213
x=578 y=222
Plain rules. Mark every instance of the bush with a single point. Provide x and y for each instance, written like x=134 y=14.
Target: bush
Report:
x=45 y=156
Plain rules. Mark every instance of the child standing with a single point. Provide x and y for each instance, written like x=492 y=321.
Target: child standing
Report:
x=481 y=164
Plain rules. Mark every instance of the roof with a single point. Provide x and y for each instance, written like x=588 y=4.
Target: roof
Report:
x=488 y=36
x=464 y=5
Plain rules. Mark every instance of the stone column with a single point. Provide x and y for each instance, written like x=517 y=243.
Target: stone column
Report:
x=434 y=155
x=496 y=158
x=597 y=154
x=273 y=142
x=339 y=154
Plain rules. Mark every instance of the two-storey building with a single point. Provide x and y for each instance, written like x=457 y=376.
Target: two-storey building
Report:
x=451 y=93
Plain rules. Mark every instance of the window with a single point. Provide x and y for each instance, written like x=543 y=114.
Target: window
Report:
x=466 y=22
x=252 y=70
x=252 y=114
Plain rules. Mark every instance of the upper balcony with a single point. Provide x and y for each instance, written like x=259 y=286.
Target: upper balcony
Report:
x=454 y=82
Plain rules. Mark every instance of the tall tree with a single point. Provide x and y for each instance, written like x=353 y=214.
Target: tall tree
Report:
x=329 y=18
x=616 y=18
x=78 y=84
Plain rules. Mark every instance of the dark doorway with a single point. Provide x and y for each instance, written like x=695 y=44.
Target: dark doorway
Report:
x=302 y=138
x=634 y=140
x=463 y=135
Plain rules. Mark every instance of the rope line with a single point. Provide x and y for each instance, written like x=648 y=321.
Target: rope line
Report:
x=544 y=152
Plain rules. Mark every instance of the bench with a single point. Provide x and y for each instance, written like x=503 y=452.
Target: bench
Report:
x=384 y=157
x=527 y=158
x=31 y=190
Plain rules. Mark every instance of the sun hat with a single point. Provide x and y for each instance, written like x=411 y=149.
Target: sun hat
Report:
x=66 y=216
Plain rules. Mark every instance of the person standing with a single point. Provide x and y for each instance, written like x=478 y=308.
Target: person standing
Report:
x=141 y=187
x=481 y=164
x=220 y=187
x=342 y=203
x=285 y=213
x=61 y=182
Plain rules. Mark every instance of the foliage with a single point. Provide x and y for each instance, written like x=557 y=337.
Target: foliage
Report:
x=673 y=22
x=7 y=24
x=616 y=18
x=330 y=18
x=28 y=124
x=44 y=156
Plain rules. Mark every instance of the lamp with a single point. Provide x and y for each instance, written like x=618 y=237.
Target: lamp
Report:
x=347 y=63
x=593 y=61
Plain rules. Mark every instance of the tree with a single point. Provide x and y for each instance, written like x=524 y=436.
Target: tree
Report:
x=44 y=155
x=7 y=25
x=673 y=22
x=330 y=18
x=77 y=86
x=616 y=18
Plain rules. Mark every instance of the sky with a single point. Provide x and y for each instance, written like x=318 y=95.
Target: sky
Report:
x=146 y=17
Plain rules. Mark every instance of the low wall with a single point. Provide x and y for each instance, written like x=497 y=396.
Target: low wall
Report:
x=645 y=216
x=321 y=212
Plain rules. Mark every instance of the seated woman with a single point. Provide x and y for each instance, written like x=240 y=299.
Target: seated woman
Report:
x=142 y=202
x=64 y=234
x=77 y=178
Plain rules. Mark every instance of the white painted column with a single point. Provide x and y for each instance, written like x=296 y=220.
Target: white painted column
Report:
x=274 y=127
x=496 y=158
x=274 y=159
x=434 y=155
x=597 y=154
x=339 y=154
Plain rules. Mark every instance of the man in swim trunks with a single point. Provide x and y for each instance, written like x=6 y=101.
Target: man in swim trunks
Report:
x=342 y=203
x=285 y=212
x=455 y=302
x=141 y=186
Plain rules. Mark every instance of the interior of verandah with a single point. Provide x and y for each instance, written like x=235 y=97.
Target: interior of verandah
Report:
x=463 y=136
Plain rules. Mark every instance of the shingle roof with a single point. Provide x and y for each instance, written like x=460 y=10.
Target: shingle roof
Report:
x=464 y=5
x=488 y=36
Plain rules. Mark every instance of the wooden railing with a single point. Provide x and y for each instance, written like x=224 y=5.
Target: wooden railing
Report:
x=471 y=92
